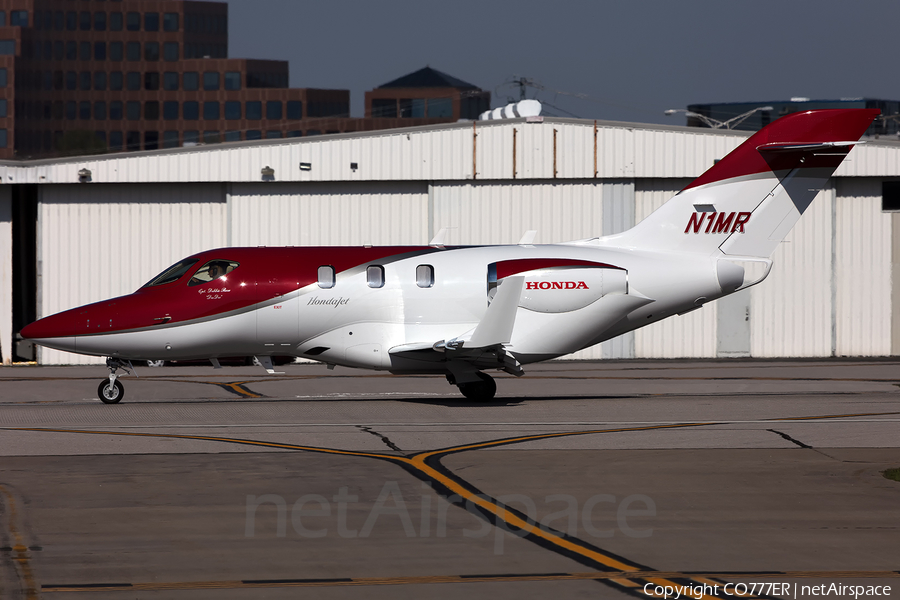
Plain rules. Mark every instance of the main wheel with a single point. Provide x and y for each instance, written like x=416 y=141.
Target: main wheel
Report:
x=111 y=394
x=479 y=391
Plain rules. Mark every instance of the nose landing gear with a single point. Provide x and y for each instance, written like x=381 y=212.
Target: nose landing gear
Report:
x=112 y=391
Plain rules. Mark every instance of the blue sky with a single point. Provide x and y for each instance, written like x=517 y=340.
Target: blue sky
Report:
x=630 y=59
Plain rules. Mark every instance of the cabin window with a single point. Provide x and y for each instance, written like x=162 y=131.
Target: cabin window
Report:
x=173 y=273
x=213 y=270
x=326 y=277
x=375 y=276
x=425 y=276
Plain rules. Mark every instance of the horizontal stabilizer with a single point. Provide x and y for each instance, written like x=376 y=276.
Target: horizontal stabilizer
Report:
x=798 y=147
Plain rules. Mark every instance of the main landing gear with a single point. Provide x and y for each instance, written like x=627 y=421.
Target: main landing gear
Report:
x=481 y=390
x=112 y=391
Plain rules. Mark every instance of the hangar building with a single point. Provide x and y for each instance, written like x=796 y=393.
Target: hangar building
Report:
x=79 y=230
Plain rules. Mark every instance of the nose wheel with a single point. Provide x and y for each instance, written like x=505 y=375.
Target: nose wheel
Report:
x=111 y=391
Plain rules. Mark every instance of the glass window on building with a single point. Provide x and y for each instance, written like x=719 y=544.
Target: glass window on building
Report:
x=170 y=51
x=115 y=110
x=133 y=141
x=3 y=108
x=151 y=21
x=210 y=137
x=84 y=110
x=232 y=136
x=115 y=51
x=190 y=110
x=133 y=51
x=4 y=138
x=71 y=20
x=170 y=139
x=294 y=110
x=18 y=18
x=440 y=108
x=3 y=77
x=294 y=133
x=253 y=111
x=99 y=50
x=59 y=20
x=2 y=18
x=170 y=110
x=191 y=138
x=101 y=136
x=100 y=80
x=151 y=80
x=71 y=80
x=99 y=21
x=59 y=80
x=133 y=81
x=115 y=81
x=115 y=141
x=71 y=51
x=232 y=80
x=84 y=51
x=84 y=20
x=232 y=110
x=84 y=80
x=210 y=80
x=58 y=50
x=170 y=22
x=151 y=110
x=170 y=81
x=210 y=110
x=99 y=111
x=254 y=134
x=71 y=110
x=384 y=107
x=273 y=134
x=191 y=81
x=115 y=24
x=133 y=110
x=412 y=108
x=273 y=109
x=133 y=21
x=151 y=51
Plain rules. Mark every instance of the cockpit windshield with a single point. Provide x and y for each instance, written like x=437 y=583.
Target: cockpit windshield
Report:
x=214 y=269
x=173 y=273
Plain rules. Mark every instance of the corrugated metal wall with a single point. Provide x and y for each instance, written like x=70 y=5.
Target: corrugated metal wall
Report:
x=791 y=311
x=329 y=214
x=102 y=241
x=829 y=291
x=862 y=270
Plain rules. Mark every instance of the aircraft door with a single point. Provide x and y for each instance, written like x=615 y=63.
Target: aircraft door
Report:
x=278 y=317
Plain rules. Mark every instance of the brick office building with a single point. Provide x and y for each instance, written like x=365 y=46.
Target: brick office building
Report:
x=142 y=74
x=85 y=76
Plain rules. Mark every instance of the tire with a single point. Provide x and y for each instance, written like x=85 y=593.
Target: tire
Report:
x=479 y=391
x=156 y=363
x=111 y=394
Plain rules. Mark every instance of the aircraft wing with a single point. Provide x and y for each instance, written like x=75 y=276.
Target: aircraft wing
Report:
x=484 y=349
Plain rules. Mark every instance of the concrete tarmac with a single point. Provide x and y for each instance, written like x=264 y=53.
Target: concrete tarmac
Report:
x=581 y=480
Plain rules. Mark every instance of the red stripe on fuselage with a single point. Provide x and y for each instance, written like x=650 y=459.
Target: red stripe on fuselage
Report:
x=263 y=274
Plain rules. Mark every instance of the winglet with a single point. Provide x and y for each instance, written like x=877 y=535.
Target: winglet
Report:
x=497 y=324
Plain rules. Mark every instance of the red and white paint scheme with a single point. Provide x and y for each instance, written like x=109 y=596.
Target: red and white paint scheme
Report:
x=459 y=311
